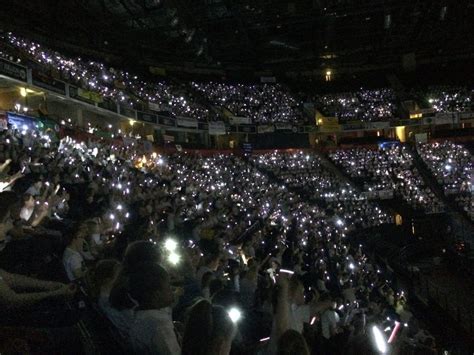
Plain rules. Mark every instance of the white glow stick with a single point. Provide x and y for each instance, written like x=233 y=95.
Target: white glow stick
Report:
x=379 y=340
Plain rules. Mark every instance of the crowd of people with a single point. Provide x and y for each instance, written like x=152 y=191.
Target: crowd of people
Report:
x=452 y=166
x=306 y=173
x=194 y=254
x=389 y=169
x=366 y=105
x=118 y=85
x=446 y=99
x=262 y=103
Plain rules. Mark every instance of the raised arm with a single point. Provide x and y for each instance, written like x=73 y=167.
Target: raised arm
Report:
x=20 y=282
x=4 y=165
x=282 y=309
x=11 y=299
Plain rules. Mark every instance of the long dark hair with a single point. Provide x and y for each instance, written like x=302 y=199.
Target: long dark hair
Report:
x=206 y=327
x=137 y=253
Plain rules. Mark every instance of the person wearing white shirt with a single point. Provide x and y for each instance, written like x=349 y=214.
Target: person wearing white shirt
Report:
x=96 y=242
x=275 y=265
x=28 y=207
x=73 y=260
x=329 y=328
x=211 y=263
x=329 y=321
x=152 y=331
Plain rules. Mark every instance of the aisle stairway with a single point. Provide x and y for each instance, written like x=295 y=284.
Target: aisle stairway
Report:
x=201 y=99
x=328 y=164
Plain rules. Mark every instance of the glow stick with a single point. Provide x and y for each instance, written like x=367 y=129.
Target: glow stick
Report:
x=394 y=332
x=379 y=340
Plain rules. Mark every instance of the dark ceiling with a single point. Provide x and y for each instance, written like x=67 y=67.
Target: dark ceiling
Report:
x=257 y=34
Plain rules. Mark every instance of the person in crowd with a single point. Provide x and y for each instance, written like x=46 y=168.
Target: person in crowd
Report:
x=292 y=342
x=210 y=264
x=257 y=203
x=104 y=275
x=209 y=330
x=73 y=259
x=136 y=253
x=152 y=331
x=96 y=240
x=35 y=189
x=330 y=327
x=28 y=207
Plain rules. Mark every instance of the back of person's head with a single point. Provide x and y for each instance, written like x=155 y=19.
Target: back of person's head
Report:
x=77 y=230
x=333 y=303
x=224 y=297
x=326 y=297
x=212 y=260
x=135 y=254
x=215 y=285
x=292 y=342
x=93 y=226
x=360 y=344
x=105 y=271
x=139 y=252
x=359 y=324
x=296 y=290
x=208 y=330
x=252 y=263
x=149 y=285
